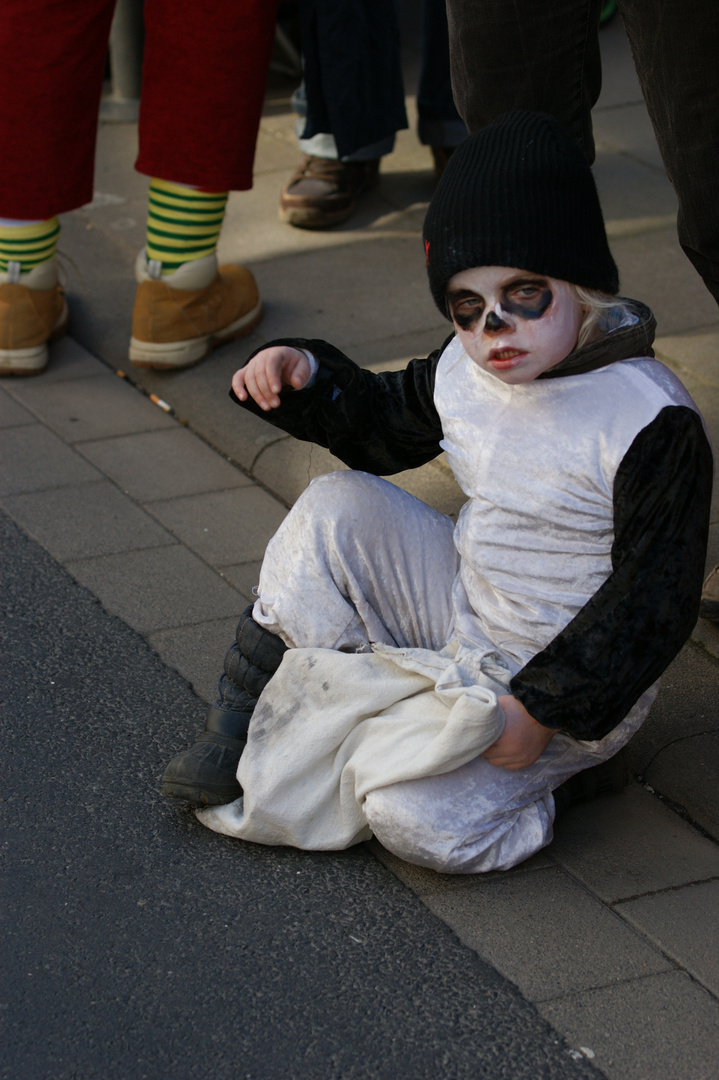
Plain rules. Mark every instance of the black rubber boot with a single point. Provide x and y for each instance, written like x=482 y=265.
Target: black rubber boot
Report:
x=206 y=774
x=608 y=778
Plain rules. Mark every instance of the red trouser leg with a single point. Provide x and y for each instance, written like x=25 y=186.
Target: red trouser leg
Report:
x=53 y=60
x=203 y=86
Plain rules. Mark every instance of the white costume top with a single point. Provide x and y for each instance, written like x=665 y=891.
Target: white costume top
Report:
x=538 y=463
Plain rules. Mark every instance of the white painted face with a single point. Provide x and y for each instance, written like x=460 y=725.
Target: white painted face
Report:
x=514 y=324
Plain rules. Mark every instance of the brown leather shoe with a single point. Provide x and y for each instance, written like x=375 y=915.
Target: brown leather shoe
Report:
x=33 y=312
x=324 y=192
x=709 y=606
x=179 y=319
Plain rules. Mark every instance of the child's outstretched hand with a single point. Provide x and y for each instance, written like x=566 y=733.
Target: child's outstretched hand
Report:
x=267 y=372
x=523 y=740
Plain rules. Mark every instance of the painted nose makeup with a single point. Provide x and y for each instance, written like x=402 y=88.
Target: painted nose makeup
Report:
x=493 y=323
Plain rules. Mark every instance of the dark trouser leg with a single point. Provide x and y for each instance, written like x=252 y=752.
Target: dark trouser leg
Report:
x=526 y=56
x=205 y=775
x=353 y=73
x=547 y=59
x=675 y=48
x=439 y=122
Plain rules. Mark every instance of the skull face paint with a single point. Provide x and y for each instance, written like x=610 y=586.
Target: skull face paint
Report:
x=514 y=324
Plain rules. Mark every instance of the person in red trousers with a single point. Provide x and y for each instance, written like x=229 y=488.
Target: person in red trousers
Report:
x=204 y=76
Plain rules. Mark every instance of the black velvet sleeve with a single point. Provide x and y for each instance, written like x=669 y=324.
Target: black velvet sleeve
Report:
x=593 y=672
x=381 y=423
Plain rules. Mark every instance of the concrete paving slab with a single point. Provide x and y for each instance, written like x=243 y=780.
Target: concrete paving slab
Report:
x=620 y=84
x=101 y=286
x=423 y=881
x=546 y=933
x=698 y=351
x=630 y=844
x=280 y=124
x=253 y=234
x=117 y=147
x=653 y=268
x=683 y=923
x=706 y=634
x=411 y=163
x=405 y=190
x=69 y=360
x=244 y=576
x=199 y=397
x=119 y=204
x=638 y=226
x=84 y=409
x=223 y=526
x=686 y=705
x=664 y=1027
x=287 y=467
x=687 y=772
x=631 y=191
x=163 y=464
x=34 y=459
x=317 y=301
x=393 y=354
x=434 y=484
x=13 y=415
x=627 y=128
x=197 y=652
x=158 y=588
x=406 y=194
x=277 y=149
x=91 y=519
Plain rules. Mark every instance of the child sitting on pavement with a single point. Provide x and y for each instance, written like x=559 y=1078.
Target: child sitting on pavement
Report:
x=574 y=570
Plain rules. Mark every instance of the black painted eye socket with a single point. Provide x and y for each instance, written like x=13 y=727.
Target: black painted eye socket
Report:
x=527 y=299
x=467 y=305
x=466 y=310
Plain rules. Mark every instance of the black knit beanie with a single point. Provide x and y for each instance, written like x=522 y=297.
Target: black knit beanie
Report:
x=518 y=193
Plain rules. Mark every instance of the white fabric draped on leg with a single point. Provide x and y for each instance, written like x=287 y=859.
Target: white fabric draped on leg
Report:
x=330 y=757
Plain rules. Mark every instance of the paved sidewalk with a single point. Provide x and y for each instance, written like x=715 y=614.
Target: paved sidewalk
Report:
x=612 y=931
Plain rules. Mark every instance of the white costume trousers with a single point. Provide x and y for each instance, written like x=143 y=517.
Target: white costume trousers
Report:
x=358 y=560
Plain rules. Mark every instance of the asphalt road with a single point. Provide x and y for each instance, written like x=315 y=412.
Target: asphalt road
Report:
x=140 y=945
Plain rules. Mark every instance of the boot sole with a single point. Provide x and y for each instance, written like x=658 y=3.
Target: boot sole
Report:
x=196 y=796
x=305 y=217
x=173 y=355
x=33 y=360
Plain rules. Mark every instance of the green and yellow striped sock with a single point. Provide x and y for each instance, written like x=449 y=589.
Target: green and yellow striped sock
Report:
x=28 y=245
x=182 y=224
